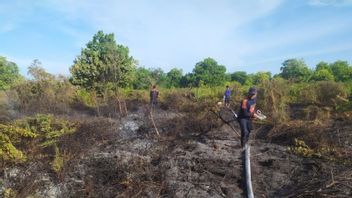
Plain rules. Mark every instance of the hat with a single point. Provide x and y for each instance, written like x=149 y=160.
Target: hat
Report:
x=252 y=91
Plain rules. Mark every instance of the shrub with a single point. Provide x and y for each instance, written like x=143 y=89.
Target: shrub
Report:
x=58 y=161
x=11 y=135
x=301 y=148
x=48 y=95
x=9 y=193
x=302 y=93
x=323 y=151
x=273 y=99
x=177 y=99
x=19 y=138
x=328 y=91
x=48 y=128
x=324 y=93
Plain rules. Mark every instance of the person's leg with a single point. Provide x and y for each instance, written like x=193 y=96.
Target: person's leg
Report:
x=248 y=130
x=154 y=101
x=227 y=101
x=244 y=131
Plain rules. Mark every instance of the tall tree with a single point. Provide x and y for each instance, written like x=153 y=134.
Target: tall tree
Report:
x=239 y=76
x=174 y=77
x=323 y=75
x=103 y=64
x=260 y=77
x=38 y=73
x=158 y=75
x=143 y=78
x=209 y=72
x=296 y=70
x=341 y=71
x=187 y=80
x=322 y=65
x=9 y=73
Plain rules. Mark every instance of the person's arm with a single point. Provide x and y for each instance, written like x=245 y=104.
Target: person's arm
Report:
x=244 y=108
x=252 y=110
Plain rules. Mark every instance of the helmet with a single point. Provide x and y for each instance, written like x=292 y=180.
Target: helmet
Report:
x=252 y=91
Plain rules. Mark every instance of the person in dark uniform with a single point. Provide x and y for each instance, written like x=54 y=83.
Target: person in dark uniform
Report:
x=246 y=114
x=154 y=93
x=227 y=96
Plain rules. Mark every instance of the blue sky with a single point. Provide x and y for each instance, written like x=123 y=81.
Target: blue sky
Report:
x=246 y=35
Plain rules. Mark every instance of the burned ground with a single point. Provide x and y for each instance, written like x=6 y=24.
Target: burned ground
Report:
x=196 y=155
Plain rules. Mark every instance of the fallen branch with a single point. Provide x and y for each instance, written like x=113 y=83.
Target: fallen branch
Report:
x=332 y=180
x=226 y=122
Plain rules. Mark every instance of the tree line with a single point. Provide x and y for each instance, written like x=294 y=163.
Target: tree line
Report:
x=105 y=65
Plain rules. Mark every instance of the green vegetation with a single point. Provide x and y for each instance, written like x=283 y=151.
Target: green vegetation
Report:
x=8 y=73
x=174 y=77
x=58 y=161
x=11 y=135
x=9 y=193
x=21 y=138
x=208 y=72
x=103 y=65
x=296 y=70
x=44 y=92
x=143 y=79
x=104 y=74
x=301 y=148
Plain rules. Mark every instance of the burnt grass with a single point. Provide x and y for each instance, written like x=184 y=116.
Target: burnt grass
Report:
x=196 y=155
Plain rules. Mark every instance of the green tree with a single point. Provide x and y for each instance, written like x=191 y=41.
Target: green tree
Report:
x=249 y=80
x=323 y=65
x=174 y=77
x=323 y=75
x=260 y=77
x=239 y=76
x=38 y=73
x=9 y=73
x=209 y=72
x=42 y=84
x=44 y=92
x=143 y=78
x=103 y=64
x=341 y=71
x=296 y=70
x=187 y=80
x=158 y=75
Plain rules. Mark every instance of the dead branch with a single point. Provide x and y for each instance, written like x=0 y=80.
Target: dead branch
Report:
x=226 y=122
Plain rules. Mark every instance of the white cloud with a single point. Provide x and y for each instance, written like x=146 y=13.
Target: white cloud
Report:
x=295 y=33
x=179 y=33
x=330 y=2
x=52 y=66
x=304 y=54
x=164 y=33
x=160 y=34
